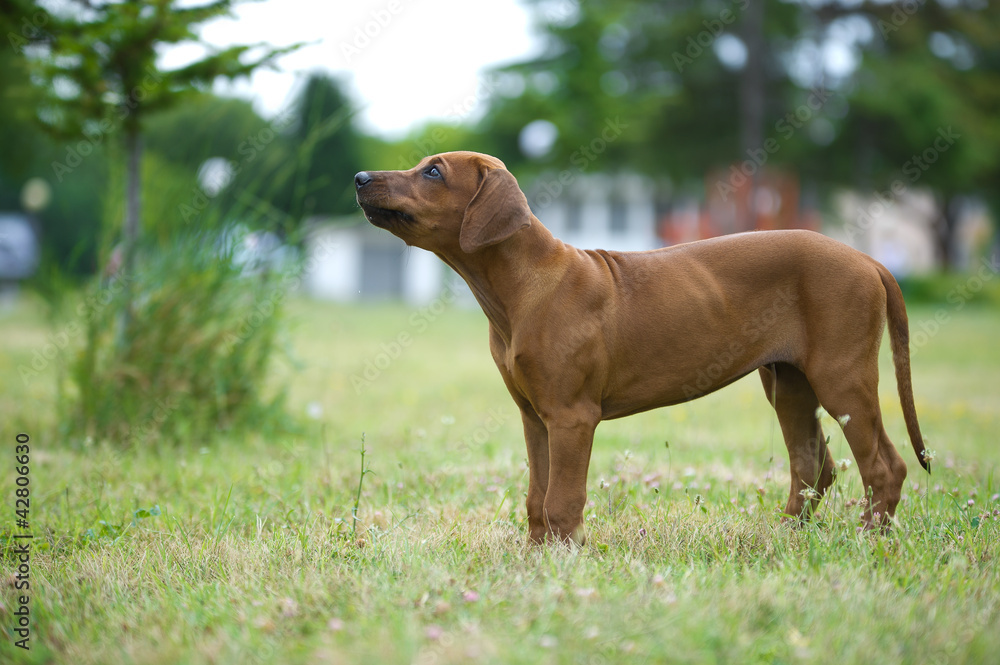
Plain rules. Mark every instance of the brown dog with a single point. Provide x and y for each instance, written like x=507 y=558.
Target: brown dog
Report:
x=584 y=336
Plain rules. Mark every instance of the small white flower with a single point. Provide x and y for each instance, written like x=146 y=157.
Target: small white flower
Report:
x=809 y=493
x=843 y=464
x=289 y=608
x=929 y=455
x=844 y=419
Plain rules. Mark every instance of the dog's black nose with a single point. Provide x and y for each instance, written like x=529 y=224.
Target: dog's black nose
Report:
x=361 y=179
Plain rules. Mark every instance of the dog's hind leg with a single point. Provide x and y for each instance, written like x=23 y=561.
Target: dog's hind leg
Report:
x=847 y=385
x=882 y=469
x=795 y=403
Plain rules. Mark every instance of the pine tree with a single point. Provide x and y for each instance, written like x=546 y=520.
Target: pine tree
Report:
x=96 y=62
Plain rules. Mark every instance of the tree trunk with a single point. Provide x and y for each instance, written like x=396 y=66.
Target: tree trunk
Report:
x=133 y=149
x=752 y=97
x=945 y=228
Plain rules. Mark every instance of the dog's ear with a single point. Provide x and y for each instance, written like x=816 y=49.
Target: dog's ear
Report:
x=497 y=211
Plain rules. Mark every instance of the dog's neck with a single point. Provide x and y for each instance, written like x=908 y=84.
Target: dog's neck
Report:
x=508 y=277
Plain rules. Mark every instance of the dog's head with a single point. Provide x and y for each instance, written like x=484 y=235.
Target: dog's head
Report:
x=463 y=200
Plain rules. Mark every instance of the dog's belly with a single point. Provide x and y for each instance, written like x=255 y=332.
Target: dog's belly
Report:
x=680 y=379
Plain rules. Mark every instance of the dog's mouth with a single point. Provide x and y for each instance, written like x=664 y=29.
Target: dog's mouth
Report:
x=385 y=218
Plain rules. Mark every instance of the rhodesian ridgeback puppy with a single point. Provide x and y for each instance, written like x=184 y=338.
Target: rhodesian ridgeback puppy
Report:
x=584 y=336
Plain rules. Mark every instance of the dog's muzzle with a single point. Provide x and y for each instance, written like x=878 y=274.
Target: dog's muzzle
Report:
x=373 y=200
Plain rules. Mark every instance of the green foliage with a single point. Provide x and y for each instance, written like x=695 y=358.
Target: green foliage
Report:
x=96 y=69
x=167 y=186
x=301 y=163
x=904 y=92
x=204 y=126
x=202 y=337
x=324 y=184
x=295 y=165
x=951 y=290
x=98 y=63
x=70 y=224
x=653 y=66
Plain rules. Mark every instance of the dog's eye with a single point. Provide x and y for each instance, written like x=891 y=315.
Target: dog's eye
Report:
x=432 y=172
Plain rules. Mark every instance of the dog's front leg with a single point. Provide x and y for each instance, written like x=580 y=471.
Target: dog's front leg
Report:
x=536 y=437
x=571 y=437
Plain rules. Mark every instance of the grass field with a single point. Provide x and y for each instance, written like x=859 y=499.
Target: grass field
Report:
x=241 y=549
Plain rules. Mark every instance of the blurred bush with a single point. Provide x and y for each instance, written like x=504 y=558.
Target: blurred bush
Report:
x=193 y=357
x=978 y=287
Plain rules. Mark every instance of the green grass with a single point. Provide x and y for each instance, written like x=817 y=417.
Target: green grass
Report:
x=243 y=552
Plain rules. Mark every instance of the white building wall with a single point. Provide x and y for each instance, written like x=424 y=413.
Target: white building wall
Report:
x=900 y=236
x=423 y=277
x=594 y=195
x=333 y=264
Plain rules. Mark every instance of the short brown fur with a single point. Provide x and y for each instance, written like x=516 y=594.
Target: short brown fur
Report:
x=583 y=336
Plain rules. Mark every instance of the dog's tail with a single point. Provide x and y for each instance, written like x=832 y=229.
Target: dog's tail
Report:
x=899 y=339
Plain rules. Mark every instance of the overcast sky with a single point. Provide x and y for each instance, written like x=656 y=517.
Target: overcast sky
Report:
x=405 y=61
